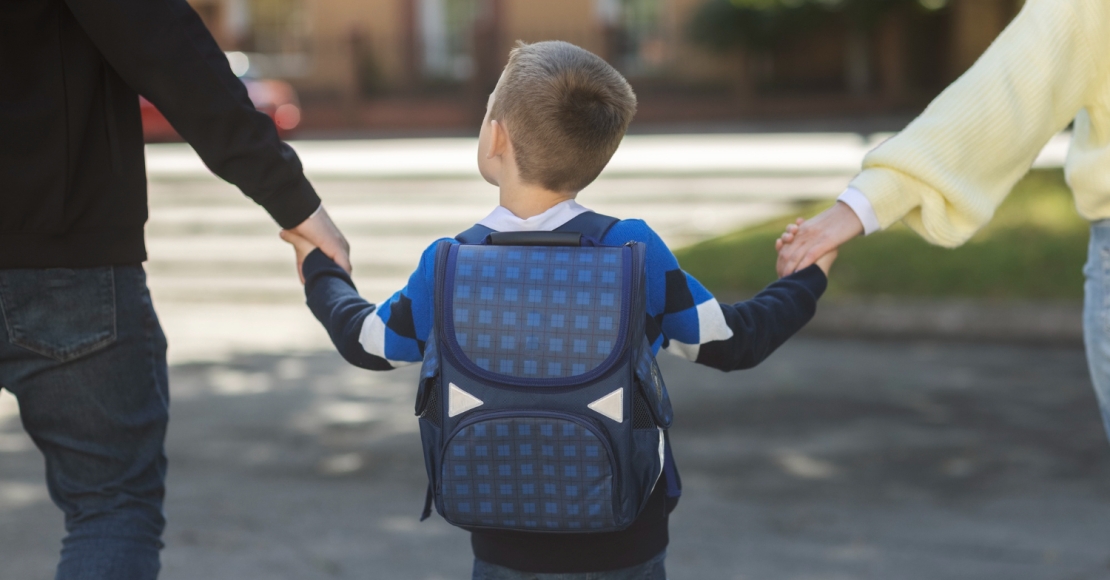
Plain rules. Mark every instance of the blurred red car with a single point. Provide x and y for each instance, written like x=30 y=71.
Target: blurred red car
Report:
x=275 y=98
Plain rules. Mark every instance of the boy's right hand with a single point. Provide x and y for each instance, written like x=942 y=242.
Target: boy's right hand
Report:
x=301 y=246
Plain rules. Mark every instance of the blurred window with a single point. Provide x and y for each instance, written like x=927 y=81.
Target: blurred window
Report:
x=446 y=28
x=278 y=26
x=635 y=35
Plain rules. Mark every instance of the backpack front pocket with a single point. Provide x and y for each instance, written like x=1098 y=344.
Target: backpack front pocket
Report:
x=529 y=471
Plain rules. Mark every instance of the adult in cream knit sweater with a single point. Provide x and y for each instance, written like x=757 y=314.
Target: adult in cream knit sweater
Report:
x=946 y=172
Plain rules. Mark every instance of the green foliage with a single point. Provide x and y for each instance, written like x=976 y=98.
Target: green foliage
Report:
x=1034 y=248
x=722 y=25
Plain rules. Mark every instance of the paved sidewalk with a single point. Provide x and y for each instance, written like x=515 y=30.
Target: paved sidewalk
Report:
x=835 y=460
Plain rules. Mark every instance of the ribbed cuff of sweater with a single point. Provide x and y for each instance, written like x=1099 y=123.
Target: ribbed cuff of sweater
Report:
x=889 y=192
x=897 y=196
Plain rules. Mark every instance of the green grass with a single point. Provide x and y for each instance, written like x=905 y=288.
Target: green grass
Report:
x=1034 y=248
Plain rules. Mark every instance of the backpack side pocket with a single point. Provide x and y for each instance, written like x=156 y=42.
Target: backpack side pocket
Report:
x=650 y=385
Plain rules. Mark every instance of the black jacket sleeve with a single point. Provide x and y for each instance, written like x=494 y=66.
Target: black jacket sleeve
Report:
x=764 y=323
x=162 y=50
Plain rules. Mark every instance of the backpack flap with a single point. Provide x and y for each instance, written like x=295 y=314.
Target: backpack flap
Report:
x=534 y=316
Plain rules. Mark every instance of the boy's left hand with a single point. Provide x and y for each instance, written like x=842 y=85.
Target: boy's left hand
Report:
x=301 y=246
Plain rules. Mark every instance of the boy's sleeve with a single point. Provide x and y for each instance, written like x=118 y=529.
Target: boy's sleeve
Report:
x=376 y=337
x=756 y=327
x=686 y=320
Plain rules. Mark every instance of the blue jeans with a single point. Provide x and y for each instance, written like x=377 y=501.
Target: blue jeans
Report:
x=83 y=353
x=653 y=569
x=1096 y=315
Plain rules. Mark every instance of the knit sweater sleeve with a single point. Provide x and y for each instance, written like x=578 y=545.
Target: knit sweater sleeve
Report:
x=948 y=171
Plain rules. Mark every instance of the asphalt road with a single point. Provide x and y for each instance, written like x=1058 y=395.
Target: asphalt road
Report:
x=833 y=460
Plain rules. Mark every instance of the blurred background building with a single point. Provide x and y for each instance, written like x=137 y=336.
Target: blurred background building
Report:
x=428 y=64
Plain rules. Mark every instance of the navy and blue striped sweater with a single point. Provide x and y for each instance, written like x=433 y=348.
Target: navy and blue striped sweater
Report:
x=683 y=318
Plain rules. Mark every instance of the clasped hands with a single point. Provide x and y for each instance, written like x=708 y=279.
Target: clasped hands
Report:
x=816 y=240
x=318 y=231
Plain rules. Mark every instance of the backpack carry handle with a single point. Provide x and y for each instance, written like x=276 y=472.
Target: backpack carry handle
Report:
x=535 y=239
x=590 y=227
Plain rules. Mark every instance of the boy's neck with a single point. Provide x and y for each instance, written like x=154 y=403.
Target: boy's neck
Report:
x=526 y=200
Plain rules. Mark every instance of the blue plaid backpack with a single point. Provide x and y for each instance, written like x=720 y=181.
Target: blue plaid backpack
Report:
x=541 y=406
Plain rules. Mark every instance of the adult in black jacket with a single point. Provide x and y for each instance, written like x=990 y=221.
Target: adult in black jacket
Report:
x=80 y=346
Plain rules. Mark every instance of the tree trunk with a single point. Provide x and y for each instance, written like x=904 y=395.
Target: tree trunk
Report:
x=743 y=85
x=892 y=58
x=857 y=61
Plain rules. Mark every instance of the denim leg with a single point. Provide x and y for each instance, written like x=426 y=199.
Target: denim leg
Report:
x=653 y=569
x=1096 y=315
x=83 y=353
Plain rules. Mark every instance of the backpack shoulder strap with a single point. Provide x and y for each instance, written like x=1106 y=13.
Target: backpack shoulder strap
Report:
x=474 y=235
x=590 y=224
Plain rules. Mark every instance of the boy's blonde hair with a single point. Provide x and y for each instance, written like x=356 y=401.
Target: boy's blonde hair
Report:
x=565 y=110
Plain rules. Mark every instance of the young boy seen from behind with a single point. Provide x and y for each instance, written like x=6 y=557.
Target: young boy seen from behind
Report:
x=553 y=122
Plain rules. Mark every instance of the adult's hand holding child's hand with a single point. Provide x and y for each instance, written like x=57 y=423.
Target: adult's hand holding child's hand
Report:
x=784 y=243
x=808 y=240
x=321 y=232
x=301 y=246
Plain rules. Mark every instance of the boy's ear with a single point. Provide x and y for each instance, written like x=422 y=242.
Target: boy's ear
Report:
x=499 y=139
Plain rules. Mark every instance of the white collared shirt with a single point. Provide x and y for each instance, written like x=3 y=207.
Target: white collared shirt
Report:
x=503 y=220
x=863 y=209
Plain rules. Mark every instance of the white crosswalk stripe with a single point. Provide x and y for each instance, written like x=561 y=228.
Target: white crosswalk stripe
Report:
x=224 y=283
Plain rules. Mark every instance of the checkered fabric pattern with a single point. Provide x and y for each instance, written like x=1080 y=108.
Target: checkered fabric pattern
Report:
x=528 y=473
x=537 y=312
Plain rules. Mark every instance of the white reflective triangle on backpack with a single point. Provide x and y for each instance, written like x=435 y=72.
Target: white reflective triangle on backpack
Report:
x=460 y=401
x=611 y=405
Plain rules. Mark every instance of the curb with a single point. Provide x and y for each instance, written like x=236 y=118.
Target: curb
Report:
x=1048 y=323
